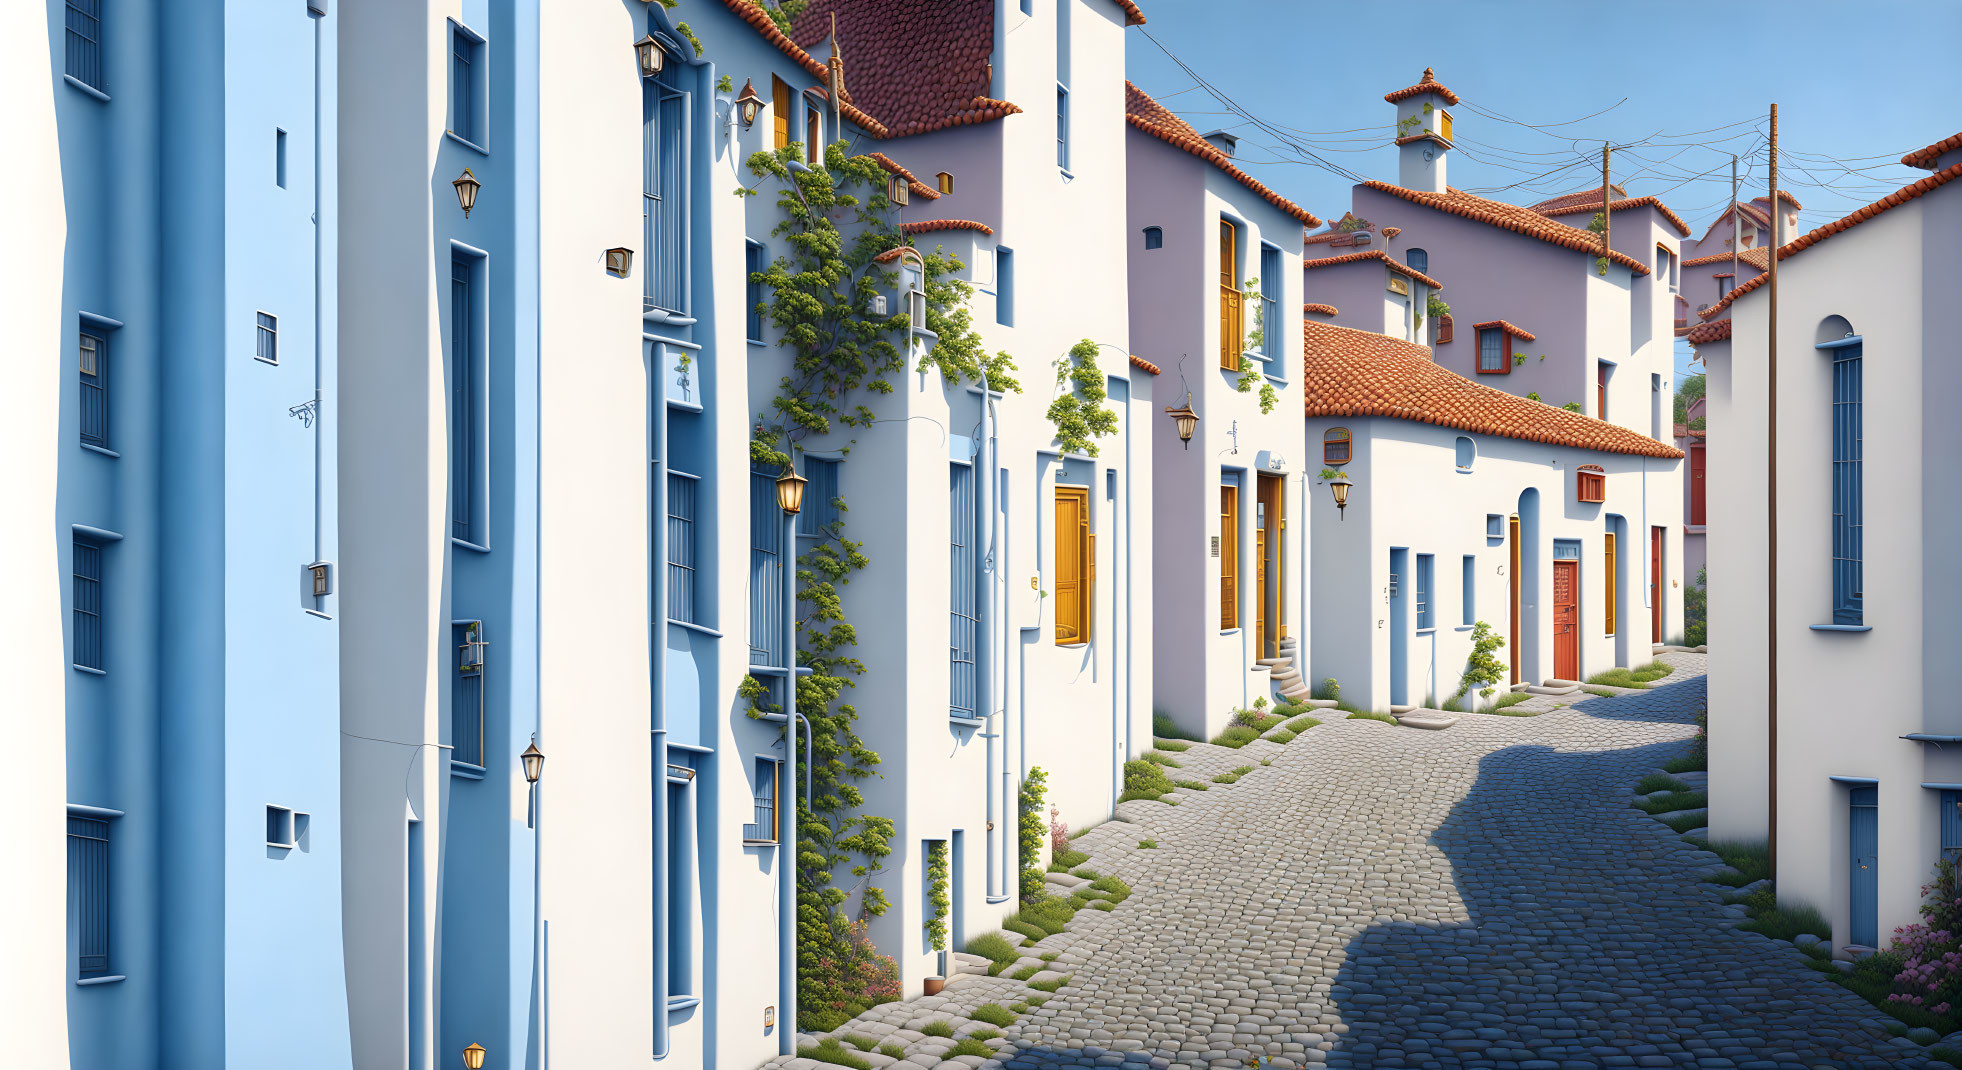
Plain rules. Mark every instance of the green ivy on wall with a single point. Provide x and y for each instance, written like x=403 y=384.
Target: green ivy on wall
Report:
x=1078 y=412
x=1483 y=669
x=938 y=904
x=1029 y=835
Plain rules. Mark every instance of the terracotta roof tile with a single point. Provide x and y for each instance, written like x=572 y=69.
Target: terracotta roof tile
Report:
x=1848 y=222
x=895 y=253
x=1137 y=361
x=1132 y=17
x=1759 y=258
x=1426 y=84
x=1373 y=254
x=852 y=113
x=1520 y=333
x=1925 y=158
x=1510 y=217
x=752 y=12
x=913 y=66
x=1155 y=119
x=913 y=185
x=1423 y=135
x=1714 y=331
x=929 y=225
x=1360 y=373
x=1582 y=196
x=1594 y=205
x=1320 y=309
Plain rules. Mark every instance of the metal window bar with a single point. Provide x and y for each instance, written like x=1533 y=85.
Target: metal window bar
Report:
x=681 y=547
x=463 y=407
x=962 y=700
x=268 y=339
x=467 y=694
x=88 y=890
x=94 y=359
x=84 y=22
x=766 y=608
x=88 y=604
x=462 y=113
x=1062 y=127
x=665 y=148
x=1847 y=487
x=1423 y=598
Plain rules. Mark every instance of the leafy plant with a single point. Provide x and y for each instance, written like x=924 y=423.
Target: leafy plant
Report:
x=724 y=85
x=1143 y=780
x=1031 y=834
x=1436 y=305
x=993 y=1014
x=1233 y=775
x=1059 y=833
x=1163 y=728
x=1483 y=668
x=939 y=1027
x=937 y=900
x=1078 y=411
x=1149 y=845
x=1572 y=406
x=1330 y=690
x=829 y=1050
x=1330 y=473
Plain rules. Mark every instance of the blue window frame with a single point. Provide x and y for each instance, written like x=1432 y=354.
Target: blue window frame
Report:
x=681 y=546
x=88 y=892
x=279 y=157
x=1465 y=452
x=1492 y=351
x=754 y=261
x=1424 y=591
x=266 y=338
x=664 y=144
x=85 y=43
x=820 y=498
x=1495 y=526
x=88 y=604
x=1062 y=127
x=1470 y=592
x=766 y=608
x=467 y=693
x=1005 y=287
x=962 y=698
x=1847 y=486
x=467 y=84
x=93 y=367
x=763 y=829
x=1154 y=237
x=1418 y=260
x=1951 y=825
x=682 y=885
x=1270 y=303
x=465 y=415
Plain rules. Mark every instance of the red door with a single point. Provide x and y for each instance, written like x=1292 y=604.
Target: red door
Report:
x=1696 y=484
x=1655 y=584
x=1566 y=620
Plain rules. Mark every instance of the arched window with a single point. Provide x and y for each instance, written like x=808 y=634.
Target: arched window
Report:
x=1335 y=446
x=1418 y=259
x=1465 y=454
x=1154 y=237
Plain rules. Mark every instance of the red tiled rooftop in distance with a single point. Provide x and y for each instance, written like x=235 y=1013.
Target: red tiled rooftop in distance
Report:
x=1628 y=204
x=1509 y=217
x=1925 y=158
x=913 y=66
x=1348 y=372
x=1583 y=196
x=1758 y=257
x=1518 y=332
x=1155 y=119
x=1714 y=331
x=1320 y=309
x=1427 y=84
x=1132 y=15
x=1372 y=254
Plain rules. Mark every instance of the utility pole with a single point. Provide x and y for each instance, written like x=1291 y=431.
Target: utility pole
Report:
x=1736 y=230
x=1607 y=196
x=1771 y=504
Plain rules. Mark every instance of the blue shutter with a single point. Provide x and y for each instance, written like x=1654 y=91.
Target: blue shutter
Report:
x=462 y=51
x=666 y=168
x=467 y=694
x=88 y=604
x=1005 y=287
x=1270 y=320
x=88 y=892
x=463 y=415
x=965 y=622
x=681 y=547
x=1471 y=591
x=268 y=339
x=1863 y=885
x=1951 y=824
x=1424 y=577
x=85 y=42
x=753 y=291
x=1418 y=260
x=820 y=498
x=94 y=366
x=766 y=606
x=1847 y=489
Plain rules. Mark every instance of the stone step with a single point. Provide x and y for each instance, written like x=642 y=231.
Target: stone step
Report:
x=1296 y=694
x=963 y=963
x=1426 y=718
x=1535 y=689
x=1068 y=881
x=1271 y=662
x=1282 y=679
x=1312 y=703
x=1398 y=711
x=1560 y=683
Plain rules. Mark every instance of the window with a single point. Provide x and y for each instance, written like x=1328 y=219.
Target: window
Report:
x=1952 y=825
x=1005 y=287
x=1232 y=334
x=766 y=595
x=1665 y=267
x=1424 y=589
x=946 y=182
x=664 y=109
x=1470 y=588
x=1696 y=473
x=813 y=135
x=88 y=604
x=1270 y=301
x=88 y=890
x=1444 y=330
x=1494 y=351
x=755 y=262
x=1419 y=260
x=85 y=43
x=1601 y=371
x=780 y=104
x=1723 y=287
x=1336 y=446
x=1076 y=565
x=267 y=345
x=1495 y=526
x=1465 y=453
x=1443 y=130
x=682 y=884
x=962 y=699
x=279 y=158
x=820 y=498
x=1848 y=597
x=1590 y=483
x=467 y=84
x=467 y=693
x=681 y=547
x=1611 y=575
x=1229 y=557
x=1028 y=7
x=1062 y=128
x=769 y=787
x=94 y=367
x=1154 y=237
x=1655 y=405
x=465 y=415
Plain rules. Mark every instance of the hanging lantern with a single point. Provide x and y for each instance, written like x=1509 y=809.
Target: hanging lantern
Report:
x=619 y=261
x=748 y=104
x=1185 y=420
x=466 y=191
x=790 y=490
x=534 y=760
x=473 y=1057
x=652 y=56
x=1339 y=486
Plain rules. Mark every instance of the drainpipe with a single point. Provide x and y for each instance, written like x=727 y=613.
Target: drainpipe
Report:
x=985 y=698
x=787 y=815
x=657 y=508
x=319 y=142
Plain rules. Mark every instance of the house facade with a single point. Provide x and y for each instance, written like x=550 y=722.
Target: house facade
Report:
x=1862 y=807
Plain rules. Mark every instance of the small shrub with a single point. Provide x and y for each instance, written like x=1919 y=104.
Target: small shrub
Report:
x=1668 y=804
x=1329 y=689
x=1255 y=719
x=829 y=1050
x=1049 y=916
x=1693 y=764
x=1025 y=973
x=1065 y=860
x=892 y=1050
x=1143 y=780
x=1230 y=777
x=1163 y=725
x=1050 y=986
x=1236 y=736
x=1156 y=758
x=1302 y=724
x=1370 y=715
x=939 y=1027
x=1267 y=761
x=994 y=947
x=971 y=1046
x=1149 y=845
x=1655 y=782
x=1189 y=785
x=1059 y=833
x=1019 y=1007
x=984 y=1034
x=1171 y=744
x=1115 y=888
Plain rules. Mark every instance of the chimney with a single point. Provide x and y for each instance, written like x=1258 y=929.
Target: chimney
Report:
x=1423 y=132
x=1222 y=141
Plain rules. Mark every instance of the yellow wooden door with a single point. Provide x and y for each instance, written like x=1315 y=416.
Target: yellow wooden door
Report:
x=1260 y=590
x=1231 y=332
x=1609 y=573
x=1229 y=557
x=1072 y=566
x=780 y=105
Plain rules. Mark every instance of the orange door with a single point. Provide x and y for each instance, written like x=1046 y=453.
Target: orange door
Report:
x=1512 y=586
x=1566 y=620
x=1655 y=584
x=1232 y=334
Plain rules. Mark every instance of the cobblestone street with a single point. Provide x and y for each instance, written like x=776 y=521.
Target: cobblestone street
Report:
x=1381 y=896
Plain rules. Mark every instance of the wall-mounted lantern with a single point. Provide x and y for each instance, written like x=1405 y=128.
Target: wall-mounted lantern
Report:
x=902 y=191
x=1339 y=486
x=466 y=191
x=619 y=261
x=652 y=56
x=534 y=760
x=323 y=578
x=1185 y=420
x=748 y=104
x=473 y=1057
x=790 y=490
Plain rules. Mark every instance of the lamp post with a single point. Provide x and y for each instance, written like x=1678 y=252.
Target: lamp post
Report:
x=790 y=499
x=1185 y=420
x=534 y=763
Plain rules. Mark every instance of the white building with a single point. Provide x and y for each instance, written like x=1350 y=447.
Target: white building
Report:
x=1864 y=785
x=1472 y=505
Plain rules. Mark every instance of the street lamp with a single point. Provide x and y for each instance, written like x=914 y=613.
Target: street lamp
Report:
x=748 y=104
x=466 y=191
x=1339 y=486
x=1185 y=419
x=473 y=1057
x=790 y=490
x=534 y=760
x=652 y=57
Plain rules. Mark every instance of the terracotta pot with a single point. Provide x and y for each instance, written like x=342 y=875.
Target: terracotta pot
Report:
x=934 y=985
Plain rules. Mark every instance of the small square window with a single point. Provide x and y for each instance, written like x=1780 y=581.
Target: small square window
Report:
x=946 y=182
x=1495 y=526
x=1590 y=483
x=268 y=339
x=1154 y=237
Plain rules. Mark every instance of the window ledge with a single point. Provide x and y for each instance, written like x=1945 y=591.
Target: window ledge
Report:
x=274 y=362
x=1695 y=529
x=91 y=671
x=1842 y=627
x=682 y=1003
x=1427 y=631
x=759 y=843
x=317 y=613
x=104 y=450
x=662 y=315
x=693 y=627
x=1464 y=627
x=103 y=97
x=756 y=342
x=466 y=770
x=965 y=720
x=466 y=142
x=465 y=544
x=1071 y=646
x=114 y=977
x=1229 y=631
x=1068 y=175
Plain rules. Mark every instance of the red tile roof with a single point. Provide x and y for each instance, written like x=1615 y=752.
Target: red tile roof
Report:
x=1426 y=84
x=851 y=112
x=1584 y=196
x=1137 y=361
x=1520 y=333
x=1925 y=158
x=1759 y=258
x=1423 y=135
x=1155 y=119
x=1510 y=217
x=1594 y=205
x=914 y=185
x=1373 y=254
x=1848 y=222
x=930 y=225
x=1714 y=331
x=1320 y=309
x=895 y=253
x=1360 y=373
x=1132 y=17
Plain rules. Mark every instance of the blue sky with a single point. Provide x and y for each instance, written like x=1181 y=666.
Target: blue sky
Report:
x=1859 y=82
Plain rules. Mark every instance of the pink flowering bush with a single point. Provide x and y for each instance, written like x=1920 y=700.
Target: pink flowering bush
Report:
x=1059 y=833
x=847 y=978
x=1919 y=977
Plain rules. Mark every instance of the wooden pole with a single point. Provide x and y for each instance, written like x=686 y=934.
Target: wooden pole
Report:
x=1771 y=509
x=1735 y=229
x=1607 y=195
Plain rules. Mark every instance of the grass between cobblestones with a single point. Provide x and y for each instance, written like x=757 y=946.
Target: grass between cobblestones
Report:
x=1149 y=845
x=1067 y=861
x=971 y=1046
x=1235 y=736
x=1687 y=822
x=1503 y=707
x=1302 y=724
x=861 y=1041
x=1751 y=860
x=996 y=949
x=1189 y=785
x=939 y=1027
x=1050 y=986
x=993 y=1014
x=1163 y=725
x=1370 y=715
x=1638 y=678
x=1679 y=800
x=1156 y=758
x=1695 y=763
x=1655 y=782
x=1230 y=777
x=892 y=1050
x=829 y=1050
x=1171 y=744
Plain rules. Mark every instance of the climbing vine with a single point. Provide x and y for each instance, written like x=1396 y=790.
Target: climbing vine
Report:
x=1029 y=834
x=843 y=356
x=1078 y=412
x=937 y=901
x=781 y=13
x=1482 y=668
x=1250 y=373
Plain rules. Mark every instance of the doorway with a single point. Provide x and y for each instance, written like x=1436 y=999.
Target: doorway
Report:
x=1566 y=610
x=1399 y=628
x=1863 y=886
x=1655 y=585
x=1270 y=532
x=1512 y=592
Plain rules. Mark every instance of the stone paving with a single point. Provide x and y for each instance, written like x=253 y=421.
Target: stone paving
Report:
x=1382 y=896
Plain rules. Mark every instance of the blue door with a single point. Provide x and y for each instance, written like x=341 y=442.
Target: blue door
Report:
x=1864 y=839
x=1399 y=627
